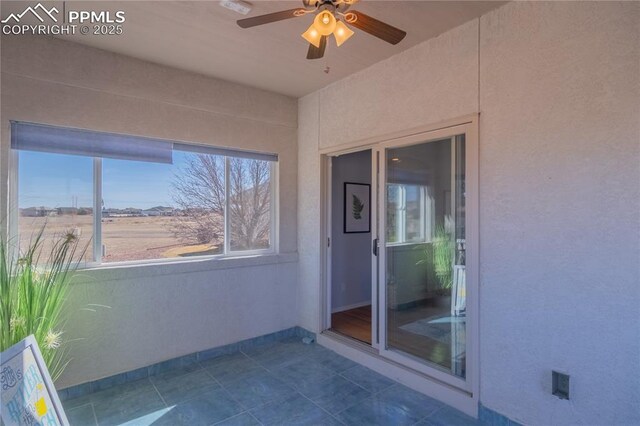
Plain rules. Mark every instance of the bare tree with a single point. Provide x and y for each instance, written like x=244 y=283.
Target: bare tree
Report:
x=199 y=192
x=249 y=203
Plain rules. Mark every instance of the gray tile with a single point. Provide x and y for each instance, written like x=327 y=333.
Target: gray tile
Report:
x=208 y=408
x=172 y=364
x=128 y=402
x=258 y=390
x=368 y=379
x=274 y=360
x=266 y=339
x=302 y=374
x=77 y=402
x=244 y=419
x=397 y=405
x=295 y=409
x=109 y=382
x=123 y=390
x=490 y=417
x=325 y=420
x=336 y=394
x=177 y=371
x=449 y=416
x=140 y=373
x=283 y=353
x=230 y=368
x=274 y=395
x=177 y=388
x=74 y=392
x=81 y=416
x=331 y=360
x=218 y=352
x=289 y=344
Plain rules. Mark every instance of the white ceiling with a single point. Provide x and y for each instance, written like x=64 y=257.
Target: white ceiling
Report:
x=202 y=36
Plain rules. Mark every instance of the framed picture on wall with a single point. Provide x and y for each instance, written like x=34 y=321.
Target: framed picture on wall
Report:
x=357 y=208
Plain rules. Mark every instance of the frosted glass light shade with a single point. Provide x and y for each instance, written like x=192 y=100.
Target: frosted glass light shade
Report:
x=325 y=22
x=342 y=33
x=312 y=35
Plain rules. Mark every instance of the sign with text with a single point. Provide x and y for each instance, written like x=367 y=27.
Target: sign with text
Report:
x=27 y=394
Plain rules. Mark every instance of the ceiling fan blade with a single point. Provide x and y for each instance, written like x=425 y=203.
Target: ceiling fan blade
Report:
x=376 y=28
x=270 y=17
x=317 y=52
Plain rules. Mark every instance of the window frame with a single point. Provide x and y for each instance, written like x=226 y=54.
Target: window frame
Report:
x=426 y=228
x=97 y=247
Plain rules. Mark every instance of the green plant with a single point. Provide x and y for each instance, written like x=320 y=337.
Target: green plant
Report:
x=33 y=290
x=442 y=252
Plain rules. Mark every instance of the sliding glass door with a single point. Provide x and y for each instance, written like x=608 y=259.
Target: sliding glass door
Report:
x=423 y=255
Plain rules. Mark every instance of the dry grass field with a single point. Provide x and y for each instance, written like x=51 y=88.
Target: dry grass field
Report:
x=124 y=238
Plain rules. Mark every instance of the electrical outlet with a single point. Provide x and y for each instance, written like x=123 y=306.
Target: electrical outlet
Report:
x=560 y=384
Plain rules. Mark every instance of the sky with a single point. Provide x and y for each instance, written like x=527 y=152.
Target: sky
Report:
x=56 y=180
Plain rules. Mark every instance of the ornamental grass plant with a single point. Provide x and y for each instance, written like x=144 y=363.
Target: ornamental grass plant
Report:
x=34 y=282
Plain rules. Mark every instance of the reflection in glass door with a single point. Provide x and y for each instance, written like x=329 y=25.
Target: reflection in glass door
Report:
x=425 y=253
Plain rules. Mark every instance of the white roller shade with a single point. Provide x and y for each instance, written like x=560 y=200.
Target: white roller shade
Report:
x=60 y=140
x=228 y=152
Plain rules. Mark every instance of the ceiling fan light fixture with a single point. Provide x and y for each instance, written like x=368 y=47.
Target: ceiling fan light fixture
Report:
x=312 y=35
x=342 y=33
x=325 y=22
x=331 y=17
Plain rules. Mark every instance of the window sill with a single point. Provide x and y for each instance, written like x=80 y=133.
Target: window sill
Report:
x=132 y=270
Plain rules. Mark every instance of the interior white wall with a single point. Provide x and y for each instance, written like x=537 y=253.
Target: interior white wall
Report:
x=309 y=238
x=350 y=253
x=560 y=210
x=557 y=86
x=158 y=312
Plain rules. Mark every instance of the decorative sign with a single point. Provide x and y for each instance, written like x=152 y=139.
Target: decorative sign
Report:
x=28 y=397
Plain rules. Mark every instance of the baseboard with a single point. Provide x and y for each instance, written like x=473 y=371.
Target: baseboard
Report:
x=171 y=364
x=349 y=307
x=487 y=416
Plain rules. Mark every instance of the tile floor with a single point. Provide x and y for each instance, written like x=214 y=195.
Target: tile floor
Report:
x=280 y=383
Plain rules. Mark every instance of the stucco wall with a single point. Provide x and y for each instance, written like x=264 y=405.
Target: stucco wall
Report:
x=557 y=88
x=187 y=307
x=308 y=292
x=560 y=210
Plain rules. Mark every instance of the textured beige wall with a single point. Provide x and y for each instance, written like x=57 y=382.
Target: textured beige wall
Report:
x=157 y=313
x=431 y=82
x=308 y=213
x=560 y=210
x=557 y=86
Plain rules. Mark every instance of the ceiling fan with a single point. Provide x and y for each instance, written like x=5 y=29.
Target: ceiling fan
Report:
x=331 y=17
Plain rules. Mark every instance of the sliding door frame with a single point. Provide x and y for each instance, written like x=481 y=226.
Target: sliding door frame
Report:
x=467 y=125
x=327 y=242
x=471 y=182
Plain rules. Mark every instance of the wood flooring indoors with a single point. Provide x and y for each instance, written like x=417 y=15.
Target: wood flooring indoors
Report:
x=354 y=323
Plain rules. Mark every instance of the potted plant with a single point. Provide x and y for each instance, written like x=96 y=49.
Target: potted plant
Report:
x=33 y=290
x=441 y=253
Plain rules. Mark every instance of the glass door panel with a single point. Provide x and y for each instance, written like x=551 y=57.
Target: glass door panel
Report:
x=424 y=236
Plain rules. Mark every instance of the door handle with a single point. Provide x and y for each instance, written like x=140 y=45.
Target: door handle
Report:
x=375 y=247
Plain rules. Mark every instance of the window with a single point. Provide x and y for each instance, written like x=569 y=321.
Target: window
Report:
x=134 y=199
x=55 y=190
x=409 y=217
x=249 y=204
